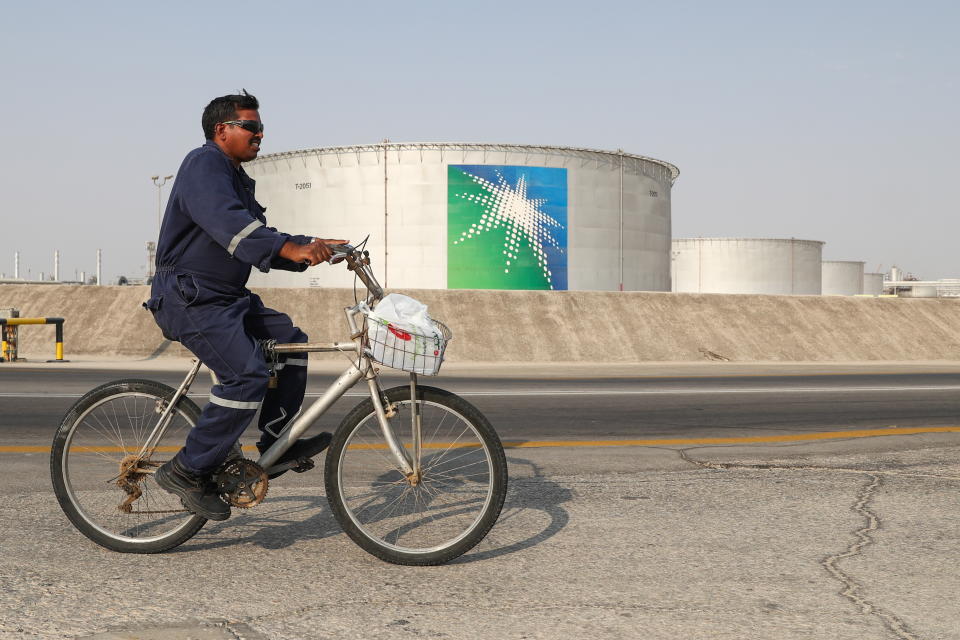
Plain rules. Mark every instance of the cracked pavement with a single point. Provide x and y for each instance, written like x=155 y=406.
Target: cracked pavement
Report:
x=829 y=540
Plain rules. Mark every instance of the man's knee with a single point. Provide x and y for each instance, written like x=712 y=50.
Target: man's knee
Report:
x=249 y=384
x=255 y=381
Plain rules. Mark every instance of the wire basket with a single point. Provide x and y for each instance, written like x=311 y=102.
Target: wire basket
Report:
x=399 y=348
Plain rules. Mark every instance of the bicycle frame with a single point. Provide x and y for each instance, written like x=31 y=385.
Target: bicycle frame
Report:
x=363 y=368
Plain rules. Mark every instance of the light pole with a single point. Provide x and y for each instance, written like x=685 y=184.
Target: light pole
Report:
x=159 y=186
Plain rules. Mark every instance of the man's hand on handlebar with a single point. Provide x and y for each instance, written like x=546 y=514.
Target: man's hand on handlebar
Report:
x=340 y=251
x=320 y=250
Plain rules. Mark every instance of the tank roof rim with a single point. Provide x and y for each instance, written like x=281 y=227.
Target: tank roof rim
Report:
x=750 y=240
x=674 y=170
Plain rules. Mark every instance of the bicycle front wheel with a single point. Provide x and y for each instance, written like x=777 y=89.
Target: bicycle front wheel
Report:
x=442 y=514
x=108 y=494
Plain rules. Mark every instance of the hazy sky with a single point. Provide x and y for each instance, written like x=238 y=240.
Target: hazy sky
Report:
x=832 y=121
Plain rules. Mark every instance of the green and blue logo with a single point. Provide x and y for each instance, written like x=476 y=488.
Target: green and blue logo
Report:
x=506 y=227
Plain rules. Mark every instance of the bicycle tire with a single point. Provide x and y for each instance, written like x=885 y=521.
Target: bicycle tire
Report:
x=452 y=508
x=107 y=424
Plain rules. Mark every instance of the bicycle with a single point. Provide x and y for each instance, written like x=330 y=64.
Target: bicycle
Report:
x=415 y=475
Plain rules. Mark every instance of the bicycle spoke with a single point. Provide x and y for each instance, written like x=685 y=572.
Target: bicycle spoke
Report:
x=452 y=445
x=437 y=463
x=101 y=430
x=100 y=454
x=448 y=473
x=447 y=501
x=395 y=501
x=439 y=424
x=116 y=424
x=390 y=462
x=104 y=432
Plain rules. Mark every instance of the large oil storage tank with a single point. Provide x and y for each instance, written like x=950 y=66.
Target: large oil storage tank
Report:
x=477 y=216
x=873 y=284
x=842 y=278
x=746 y=265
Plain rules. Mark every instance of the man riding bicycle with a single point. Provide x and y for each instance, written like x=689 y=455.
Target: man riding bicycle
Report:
x=213 y=231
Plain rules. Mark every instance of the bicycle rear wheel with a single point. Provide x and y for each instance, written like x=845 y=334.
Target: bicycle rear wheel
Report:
x=106 y=498
x=443 y=515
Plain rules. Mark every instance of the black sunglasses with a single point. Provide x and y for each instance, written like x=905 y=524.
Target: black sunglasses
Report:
x=253 y=126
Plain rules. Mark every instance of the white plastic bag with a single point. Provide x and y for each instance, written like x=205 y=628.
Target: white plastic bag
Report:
x=403 y=336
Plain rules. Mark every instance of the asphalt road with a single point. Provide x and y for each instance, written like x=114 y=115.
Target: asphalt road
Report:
x=608 y=531
x=33 y=401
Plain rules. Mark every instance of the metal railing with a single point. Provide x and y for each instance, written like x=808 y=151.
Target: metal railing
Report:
x=8 y=336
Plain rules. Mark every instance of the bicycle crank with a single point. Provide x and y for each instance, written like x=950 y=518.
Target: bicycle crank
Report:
x=242 y=483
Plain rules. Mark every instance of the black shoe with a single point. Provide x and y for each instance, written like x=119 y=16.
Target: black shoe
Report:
x=302 y=448
x=234 y=455
x=194 y=491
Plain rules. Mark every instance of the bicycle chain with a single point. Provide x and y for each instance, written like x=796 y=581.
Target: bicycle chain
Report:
x=159 y=511
x=241 y=483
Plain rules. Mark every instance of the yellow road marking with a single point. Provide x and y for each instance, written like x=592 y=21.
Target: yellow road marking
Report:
x=83 y=449
x=793 y=437
x=531 y=444
x=771 y=374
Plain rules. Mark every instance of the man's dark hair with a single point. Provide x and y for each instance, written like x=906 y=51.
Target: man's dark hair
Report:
x=225 y=108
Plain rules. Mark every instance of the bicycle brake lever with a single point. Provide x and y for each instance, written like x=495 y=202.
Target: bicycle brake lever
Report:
x=340 y=252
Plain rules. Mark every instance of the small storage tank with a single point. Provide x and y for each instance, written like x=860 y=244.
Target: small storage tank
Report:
x=842 y=278
x=920 y=291
x=873 y=284
x=746 y=265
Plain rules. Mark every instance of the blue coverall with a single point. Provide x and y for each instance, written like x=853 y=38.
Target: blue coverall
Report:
x=213 y=231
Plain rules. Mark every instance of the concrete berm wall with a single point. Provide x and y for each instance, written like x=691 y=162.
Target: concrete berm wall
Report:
x=542 y=326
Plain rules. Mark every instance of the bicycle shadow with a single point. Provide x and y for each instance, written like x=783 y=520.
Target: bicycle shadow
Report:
x=280 y=526
x=526 y=497
x=531 y=499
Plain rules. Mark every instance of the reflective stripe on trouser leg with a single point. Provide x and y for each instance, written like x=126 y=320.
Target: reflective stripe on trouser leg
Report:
x=209 y=445
x=218 y=336
x=234 y=404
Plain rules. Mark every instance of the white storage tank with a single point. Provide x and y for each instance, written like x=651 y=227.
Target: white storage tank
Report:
x=746 y=265
x=920 y=291
x=873 y=284
x=477 y=216
x=842 y=278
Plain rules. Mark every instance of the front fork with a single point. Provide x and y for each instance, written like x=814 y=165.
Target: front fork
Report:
x=415 y=427
x=408 y=461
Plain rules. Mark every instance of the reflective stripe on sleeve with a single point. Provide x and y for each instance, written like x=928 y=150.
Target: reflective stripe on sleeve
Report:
x=234 y=404
x=247 y=230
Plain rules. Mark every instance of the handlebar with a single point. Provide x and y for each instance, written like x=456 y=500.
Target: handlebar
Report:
x=359 y=262
x=340 y=252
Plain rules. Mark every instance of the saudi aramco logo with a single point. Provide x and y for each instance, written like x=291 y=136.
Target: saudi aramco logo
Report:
x=506 y=227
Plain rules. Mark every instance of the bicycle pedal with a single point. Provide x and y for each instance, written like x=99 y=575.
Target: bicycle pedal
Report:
x=304 y=464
